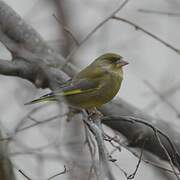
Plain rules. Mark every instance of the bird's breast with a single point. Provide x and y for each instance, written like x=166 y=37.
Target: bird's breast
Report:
x=109 y=87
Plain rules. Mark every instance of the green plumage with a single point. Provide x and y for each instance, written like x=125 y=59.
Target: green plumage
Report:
x=92 y=87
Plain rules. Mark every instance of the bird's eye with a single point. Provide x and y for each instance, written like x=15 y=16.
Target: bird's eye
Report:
x=117 y=60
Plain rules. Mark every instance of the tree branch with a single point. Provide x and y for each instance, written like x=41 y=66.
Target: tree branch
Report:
x=6 y=168
x=94 y=30
x=48 y=60
x=149 y=11
x=104 y=167
x=25 y=42
x=137 y=133
x=137 y=27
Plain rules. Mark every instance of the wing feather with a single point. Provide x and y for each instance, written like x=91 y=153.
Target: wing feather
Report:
x=76 y=87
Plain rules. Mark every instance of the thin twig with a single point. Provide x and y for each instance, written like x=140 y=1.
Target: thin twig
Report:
x=67 y=30
x=122 y=170
x=165 y=94
x=155 y=165
x=148 y=162
x=148 y=11
x=94 y=126
x=10 y=137
x=131 y=176
x=157 y=132
x=92 y=148
x=136 y=155
x=41 y=122
x=133 y=120
x=162 y=97
x=28 y=115
x=58 y=174
x=111 y=140
x=24 y=174
x=93 y=31
x=137 y=27
x=167 y=154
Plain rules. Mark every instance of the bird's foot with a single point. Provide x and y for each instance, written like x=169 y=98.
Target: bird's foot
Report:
x=93 y=113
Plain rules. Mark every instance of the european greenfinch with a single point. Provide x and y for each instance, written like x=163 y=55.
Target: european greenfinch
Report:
x=92 y=87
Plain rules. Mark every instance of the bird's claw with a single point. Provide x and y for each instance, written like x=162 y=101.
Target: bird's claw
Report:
x=94 y=114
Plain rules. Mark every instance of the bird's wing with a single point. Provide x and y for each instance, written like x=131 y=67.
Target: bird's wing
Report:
x=80 y=86
x=65 y=84
x=76 y=87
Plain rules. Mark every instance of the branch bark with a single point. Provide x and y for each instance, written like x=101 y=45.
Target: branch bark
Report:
x=6 y=168
x=137 y=133
x=137 y=27
x=42 y=68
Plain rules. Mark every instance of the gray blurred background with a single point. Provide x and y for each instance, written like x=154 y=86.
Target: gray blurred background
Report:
x=153 y=73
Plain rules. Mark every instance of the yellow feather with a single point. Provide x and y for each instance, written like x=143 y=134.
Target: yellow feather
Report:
x=72 y=92
x=79 y=91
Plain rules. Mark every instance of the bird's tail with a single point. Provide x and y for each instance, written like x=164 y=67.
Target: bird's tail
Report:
x=46 y=98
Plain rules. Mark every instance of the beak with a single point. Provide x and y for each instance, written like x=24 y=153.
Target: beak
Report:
x=122 y=63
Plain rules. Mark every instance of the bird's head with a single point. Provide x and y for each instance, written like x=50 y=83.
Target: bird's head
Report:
x=110 y=60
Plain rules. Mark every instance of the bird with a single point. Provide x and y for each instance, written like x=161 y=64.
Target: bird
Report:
x=93 y=86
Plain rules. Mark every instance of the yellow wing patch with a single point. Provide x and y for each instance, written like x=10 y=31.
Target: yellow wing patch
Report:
x=53 y=97
x=72 y=92
x=78 y=91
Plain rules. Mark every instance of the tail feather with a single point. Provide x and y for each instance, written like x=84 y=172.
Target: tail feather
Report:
x=45 y=98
